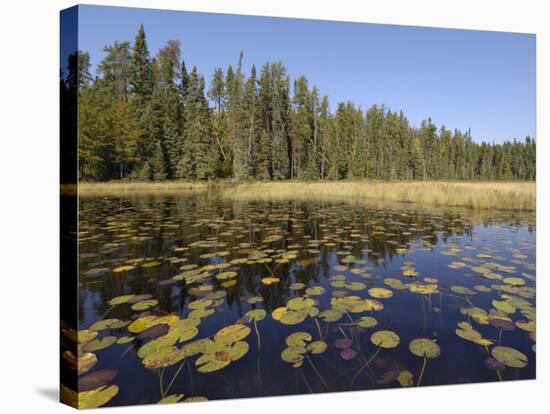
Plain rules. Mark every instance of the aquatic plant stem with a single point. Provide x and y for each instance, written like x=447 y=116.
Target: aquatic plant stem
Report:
x=498 y=375
x=343 y=333
x=364 y=367
x=106 y=313
x=174 y=378
x=317 y=372
x=305 y=381
x=161 y=382
x=319 y=329
x=257 y=333
x=422 y=372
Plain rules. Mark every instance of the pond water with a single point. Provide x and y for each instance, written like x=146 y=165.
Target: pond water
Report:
x=353 y=285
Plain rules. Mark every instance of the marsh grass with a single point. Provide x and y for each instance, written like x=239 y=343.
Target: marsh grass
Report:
x=518 y=196
x=514 y=196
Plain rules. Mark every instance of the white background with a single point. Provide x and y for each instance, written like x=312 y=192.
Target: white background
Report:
x=29 y=249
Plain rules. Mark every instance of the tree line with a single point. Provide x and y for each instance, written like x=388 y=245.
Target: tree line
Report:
x=149 y=118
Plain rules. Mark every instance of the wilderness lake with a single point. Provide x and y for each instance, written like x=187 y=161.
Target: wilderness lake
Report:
x=212 y=298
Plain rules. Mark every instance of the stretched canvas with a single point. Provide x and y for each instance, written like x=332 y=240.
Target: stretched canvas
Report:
x=256 y=206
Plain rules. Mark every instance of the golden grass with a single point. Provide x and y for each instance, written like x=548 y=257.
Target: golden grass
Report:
x=130 y=187
x=517 y=196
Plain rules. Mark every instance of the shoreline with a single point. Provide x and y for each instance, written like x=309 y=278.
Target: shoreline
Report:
x=476 y=195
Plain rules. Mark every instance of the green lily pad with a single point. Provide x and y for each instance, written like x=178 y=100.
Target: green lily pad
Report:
x=380 y=293
x=509 y=356
x=226 y=275
x=119 y=300
x=315 y=291
x=503 y=306
x=144 y=305
x=385 y=339
x=299 y=303
x=298 y=339
x=99 y=343
x=256 y=314
x=367 y=322
x=86 y=335
x=317 y=347
x=424 y=348
x=232 y=333
x=89 y=399
x=330 y=315
x=405 y=378
x=171 y=399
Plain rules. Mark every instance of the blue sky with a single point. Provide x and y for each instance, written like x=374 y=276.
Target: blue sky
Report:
x=460 y=78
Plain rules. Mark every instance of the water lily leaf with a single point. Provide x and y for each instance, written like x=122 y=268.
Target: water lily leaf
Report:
x=256 y=314
x=197 y=398
x=315 y=291
x=200 y=313
x=86 y=335
x=96 y=379
x=405 y=378
x=278 y=313
x=226 y=275
x=144 y=305
x=367 y=322
x=232 y=333
x=509 y=356
x=270 y=280
x=385 y=339
x=124 y=340
x=297 y=286
x=123 y=268
x=424 y=348
x=465 y=331
x=503 y=306
x=89 y=399
x=238 y=350
x=514 y=281
x=200 y=304
x=423 y=288
x=348 y=354
x=293 y=354
x=298 y=339
x=291 y=317
x=299 y=303
x=119 y=300
x=463 y=290
x=99 y=343
x=380 y=293
x=330 y=315
x=171 y=399
x=150 y=264
x=153 y=331
x=373 y=305
x=163 y=357
x=83 y=363
x=317 y=347
x=343 y=343
x=529 y=326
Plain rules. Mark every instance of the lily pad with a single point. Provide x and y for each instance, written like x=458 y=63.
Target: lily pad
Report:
x=385 y=339
x=423 y=347
x=380 y=293
x=171 y=399
x=256 y=314
x=96 y=379
x=367 y=322
x=99 y=343
x=144 y=305
x=509 y=356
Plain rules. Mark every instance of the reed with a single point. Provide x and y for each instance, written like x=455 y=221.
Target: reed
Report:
x=477 y=195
